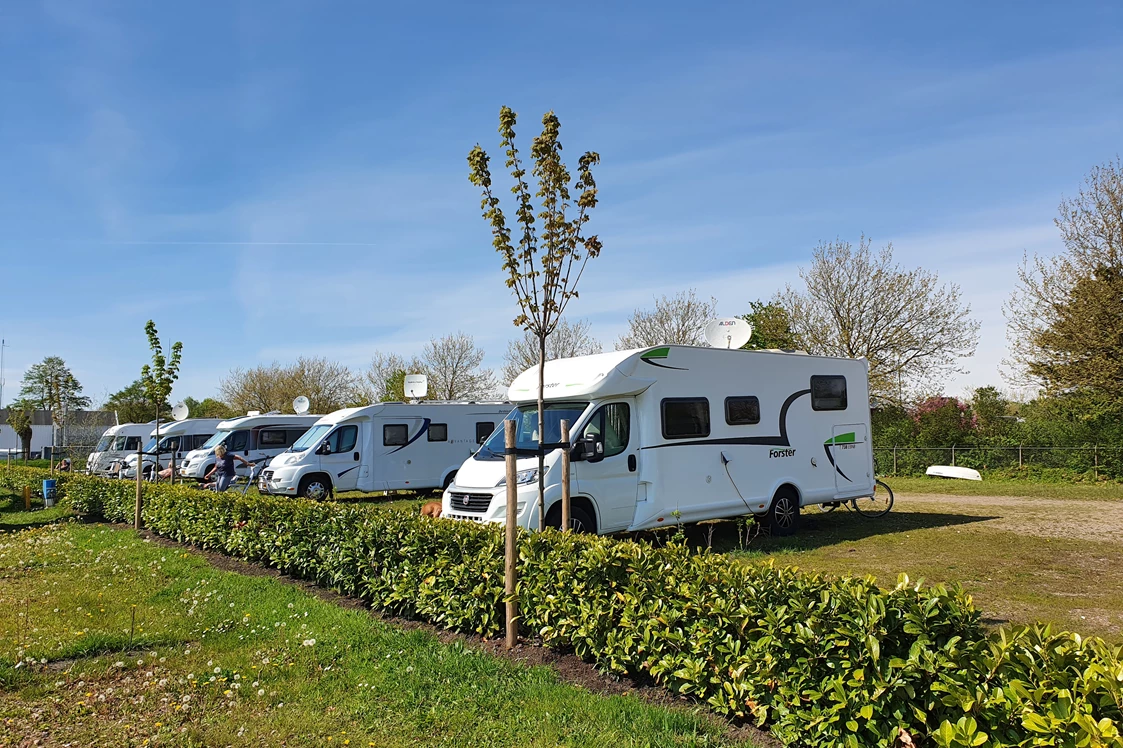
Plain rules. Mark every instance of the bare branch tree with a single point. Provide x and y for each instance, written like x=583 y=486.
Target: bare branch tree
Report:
x=860 y=304
x=328 y=385
x=384 y=379
x=676 y=320
x=452 y=364
x=1053 y=342
x=566 y=341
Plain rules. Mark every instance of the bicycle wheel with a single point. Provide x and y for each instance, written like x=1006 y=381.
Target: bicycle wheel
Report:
x=877 y=505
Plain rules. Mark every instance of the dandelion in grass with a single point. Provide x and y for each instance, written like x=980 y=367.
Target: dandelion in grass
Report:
x=309 y=642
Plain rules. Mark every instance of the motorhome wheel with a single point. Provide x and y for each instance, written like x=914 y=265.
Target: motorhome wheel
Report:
x=783 y=515
x=579 y=519
x=314 y=487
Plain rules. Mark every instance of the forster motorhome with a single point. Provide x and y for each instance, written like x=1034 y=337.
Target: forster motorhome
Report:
x=115 y=445
x=176 y=439
x=254 y=438
x=676 y=434
x=383 y=447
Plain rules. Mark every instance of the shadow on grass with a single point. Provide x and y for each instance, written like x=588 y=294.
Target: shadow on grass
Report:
x=817 y=530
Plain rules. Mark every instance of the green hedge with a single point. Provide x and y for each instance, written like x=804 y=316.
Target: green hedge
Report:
x=820 y=661
x=16 y=478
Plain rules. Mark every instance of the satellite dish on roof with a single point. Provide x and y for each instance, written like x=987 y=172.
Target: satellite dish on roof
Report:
x=179 y=412
x=416 y=386
x=300 y=405
x=728 y=332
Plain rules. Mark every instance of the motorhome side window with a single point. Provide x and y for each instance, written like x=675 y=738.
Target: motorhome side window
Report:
x=686 y=417
x=742 y=411
x=238 y=441
x=343 y=439
x=272 y=439
x=828 y=393
x=438 y=432
x=131 y=443
x=612 y=423
x=483 y=431
x=395 y=434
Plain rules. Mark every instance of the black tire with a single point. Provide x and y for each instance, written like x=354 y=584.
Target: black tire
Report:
x=877 y=505
x=315 y=487
x=579 y=519
x=782 y=518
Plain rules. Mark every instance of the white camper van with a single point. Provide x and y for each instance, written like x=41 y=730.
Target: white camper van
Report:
x=383 y=447
x=682 y=434
x=255 y=438
x=115 y=445
x=176 y=438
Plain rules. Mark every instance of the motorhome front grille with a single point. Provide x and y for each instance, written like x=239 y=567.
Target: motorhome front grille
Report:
x=469 y=502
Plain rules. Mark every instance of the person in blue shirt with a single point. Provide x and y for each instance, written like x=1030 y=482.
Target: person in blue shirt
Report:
x=223 y=470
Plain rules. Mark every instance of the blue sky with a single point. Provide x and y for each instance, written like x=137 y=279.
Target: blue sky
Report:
x=271 y=179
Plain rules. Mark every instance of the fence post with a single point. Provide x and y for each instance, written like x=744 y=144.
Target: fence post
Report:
x=894 y=459
x=1096 y=462
x=139 y=499
x=953 y=455
x=565 y=476
x=511 y=536
x=1019 y=455
x=27 y=498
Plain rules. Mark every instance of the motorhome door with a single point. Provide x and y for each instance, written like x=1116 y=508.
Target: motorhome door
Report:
x=340 y=459
x=613 y=482
x=848 y=450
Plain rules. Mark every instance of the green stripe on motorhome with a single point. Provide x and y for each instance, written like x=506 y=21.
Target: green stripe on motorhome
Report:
x=841 y=439
x=657 y=353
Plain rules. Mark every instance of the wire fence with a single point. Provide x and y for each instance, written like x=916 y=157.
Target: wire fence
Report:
x=1098 y=460
x=76 y=453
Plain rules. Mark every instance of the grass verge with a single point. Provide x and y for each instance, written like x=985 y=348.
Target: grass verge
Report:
x=1005 y=487
x=109 y=639
x=13 y=515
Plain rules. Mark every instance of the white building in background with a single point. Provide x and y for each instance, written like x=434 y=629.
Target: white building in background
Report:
x=83 y=429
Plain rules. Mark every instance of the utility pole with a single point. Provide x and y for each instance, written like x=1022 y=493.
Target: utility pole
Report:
x=3 y=345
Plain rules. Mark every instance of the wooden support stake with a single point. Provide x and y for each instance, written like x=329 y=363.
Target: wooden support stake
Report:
x=139 y=499
x=565 y=476
x=27 y=498
x=511 y=537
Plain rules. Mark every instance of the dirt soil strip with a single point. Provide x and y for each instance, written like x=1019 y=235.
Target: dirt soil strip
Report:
x=1044 y=518
x=570 y=668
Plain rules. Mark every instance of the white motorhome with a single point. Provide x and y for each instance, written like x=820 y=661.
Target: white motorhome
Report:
x=676 y=434
x=255 y=438
x=389 y=446
x=114 y=446
x=176 y=438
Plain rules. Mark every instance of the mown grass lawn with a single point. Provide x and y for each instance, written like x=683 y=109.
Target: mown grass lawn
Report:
x=1042 y=552
x=110 y=639
x=14 y=516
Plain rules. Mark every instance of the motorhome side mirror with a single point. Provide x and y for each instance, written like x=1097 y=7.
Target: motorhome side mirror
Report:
x=325 y=449
x=594 y=448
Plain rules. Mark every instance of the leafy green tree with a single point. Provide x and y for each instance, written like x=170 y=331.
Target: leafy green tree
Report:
x=992 y=411
x=1082 y=348
x=1063 y=323
x=208 y=408
x=19 y=418
x=543 y=267
x=772 y=327
x=50 y=385
x=158 y=378
x=133 y=406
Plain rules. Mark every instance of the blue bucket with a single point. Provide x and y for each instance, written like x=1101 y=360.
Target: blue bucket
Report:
x=50 y=490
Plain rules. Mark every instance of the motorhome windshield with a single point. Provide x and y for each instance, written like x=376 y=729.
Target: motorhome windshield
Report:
x=526 y=427
x=103 y=444
x=215 y=440
x=311 y=436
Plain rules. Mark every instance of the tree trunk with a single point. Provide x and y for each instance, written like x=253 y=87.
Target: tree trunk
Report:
x=541 y=432
x=156 y=449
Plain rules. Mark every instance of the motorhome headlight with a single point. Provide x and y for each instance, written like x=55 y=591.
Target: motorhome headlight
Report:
x=522 y=478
